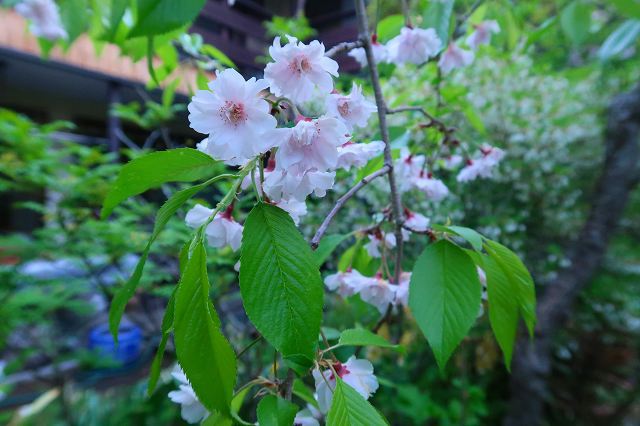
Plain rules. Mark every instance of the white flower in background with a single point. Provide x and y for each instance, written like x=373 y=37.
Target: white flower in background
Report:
x=312 y=144
x=416 y=221
x=191 y=410
x=482 y=34
x=378 y=239
x=455 y=57
x=298 y=68
x=308 y=416
x=281 y=184
x=379 y=293
x=358 y=154
x=482 y=166
x=379 y=50
x=354 y=109
x=402 y=290
x=357 y=373
x=452 y=161
x=295 y=208
x=414 y=45
x=434 y=189
x=222 y=230
x=482 y=276
x=45 y=18
x=408 y=167
x=347 y=283
x=235 y=116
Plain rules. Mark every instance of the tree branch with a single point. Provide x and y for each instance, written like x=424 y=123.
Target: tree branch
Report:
x=343 y=47
x=433 y=122
x=396 y=204
x=341 y=202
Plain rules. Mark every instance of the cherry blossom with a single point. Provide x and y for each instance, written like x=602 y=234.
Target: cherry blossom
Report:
x=45 y=18
x=353 y=109
x=222 y=230
x=191 y=410
x=312 y=144
x=378 y=239
x=402 y=290
x=308 y=416
x=434 y=189
x=452 y=161
x=295 y=208
x=416 y=221
x=358 y=154
x=455 y=57
x=379 y=293
x=298 y=69
x=413 y=45
x=481 y=166
x=407 y=167
x=235 y=117
x=379 y=50
x=482 y=34
x=281 y=184
x=357 y=373
x=347 y=283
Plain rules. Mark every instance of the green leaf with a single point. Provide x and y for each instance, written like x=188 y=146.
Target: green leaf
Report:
x=473 y=237
x=444 y=296
x=363 y=337
x=75 y=17
x=620 y=39
x=275 y=411
x=218 y=55
x=167 y=324
x=165 y=213
x=161 y=16
x=438 y=16
x=630 y=8
x=204 y=353
x=389 y=27
x=575 y=20
x=152 y=170
x=118 y=7
x=280 y=283
x=304 y=393
x=503 y=307
x=327 y=245
x=349 y=408
x=521 y=281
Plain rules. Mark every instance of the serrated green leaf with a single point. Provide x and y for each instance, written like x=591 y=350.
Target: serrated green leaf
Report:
x=165 y=213
x=275 y=411
x=161 y=16
x=438 y=15
x=327 y=245
x=280 y=283
x=154 y=169
x=363 y=337
x=204 y=353
x=521 y=280
x=349 y=408
x=471 y=236
x=444 y=296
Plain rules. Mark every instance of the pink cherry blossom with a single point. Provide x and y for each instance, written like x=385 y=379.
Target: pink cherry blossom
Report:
x=379 y=293
x=407 y=168
x=402 y=290
x=298 y=69
x=282 y=184
x=379 y=50
x=222 y=230
x=416 y=221
x=295 y=208
x=413 y=45
x=482 y=34
x=347 y=283
x=353 y=109
x=357 y=373
x=481 y=166
x=378 y=240
x=45 y=18
x=434 y=189
x=235 y=116
x=191 y=409
x=455 y=57
x=358 y=154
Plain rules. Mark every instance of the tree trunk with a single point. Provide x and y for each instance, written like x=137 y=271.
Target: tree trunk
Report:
x=532 y=359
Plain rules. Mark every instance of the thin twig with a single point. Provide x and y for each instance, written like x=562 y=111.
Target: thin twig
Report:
x=396 y=204
x=329 y=348
x=343 y=47
x=433 y=122
x=342 y=200
x=405 y=12
x=249 y=346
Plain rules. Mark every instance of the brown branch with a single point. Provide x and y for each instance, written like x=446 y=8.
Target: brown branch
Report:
x=433 y=122
x=341 y=202
x=396 y=204
x=343 y=47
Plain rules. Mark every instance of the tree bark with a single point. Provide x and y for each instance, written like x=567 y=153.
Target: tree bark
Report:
x=532 y=359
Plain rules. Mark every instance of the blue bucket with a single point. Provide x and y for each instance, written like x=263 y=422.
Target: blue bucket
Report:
x=126 y=351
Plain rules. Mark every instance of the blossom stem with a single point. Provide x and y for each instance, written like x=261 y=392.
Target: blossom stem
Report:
x=328 y=346
x=341 y=202
x=343 y=47
x=396 y=204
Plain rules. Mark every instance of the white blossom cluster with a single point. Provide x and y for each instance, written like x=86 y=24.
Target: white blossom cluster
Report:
x=45 y=18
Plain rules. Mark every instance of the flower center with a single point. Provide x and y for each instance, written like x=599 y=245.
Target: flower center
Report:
x=341 y=369
x=300 y=65
x=343 y=108
x=233 y=113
